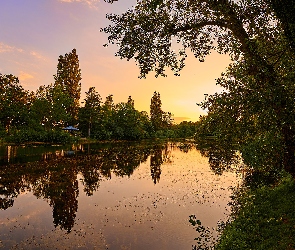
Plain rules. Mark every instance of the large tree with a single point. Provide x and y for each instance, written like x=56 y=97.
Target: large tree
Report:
x=68 y=76
x=50 y=107
x=130 y=124
x=89 y=115
x=284 y=10
x=14 y=103
x=254 y=33
x=156 y=112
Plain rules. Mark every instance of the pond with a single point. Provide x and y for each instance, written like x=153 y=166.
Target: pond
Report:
x=109 y=196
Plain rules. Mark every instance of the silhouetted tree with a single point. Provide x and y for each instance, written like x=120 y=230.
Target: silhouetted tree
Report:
x=14 y=102
x=156 y=112
x=68 y=76
x=90 y=113
x=130 y=101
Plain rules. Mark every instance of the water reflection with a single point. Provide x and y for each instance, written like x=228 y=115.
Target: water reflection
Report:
x=54 y=178
x=222 y=155
x=60 y=187
x=117 y=196
x=156 y=162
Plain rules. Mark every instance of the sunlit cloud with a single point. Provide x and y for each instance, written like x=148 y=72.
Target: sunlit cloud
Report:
x=90 y=3
x=23 y=76
x=7 y=48
x=37 y=55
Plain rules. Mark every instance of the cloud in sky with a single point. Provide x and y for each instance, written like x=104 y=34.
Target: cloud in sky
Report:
x=90 y=3
x=23 y=76
x=7 y=48
x=37 y=55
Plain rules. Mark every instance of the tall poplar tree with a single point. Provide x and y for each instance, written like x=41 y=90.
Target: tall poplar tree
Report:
x=156 y=111
x=68 y=76
x=89 y=114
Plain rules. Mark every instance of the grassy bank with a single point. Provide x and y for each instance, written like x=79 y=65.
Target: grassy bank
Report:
x=265 y=219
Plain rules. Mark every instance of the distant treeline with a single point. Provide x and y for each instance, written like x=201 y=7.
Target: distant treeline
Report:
x=41 y=115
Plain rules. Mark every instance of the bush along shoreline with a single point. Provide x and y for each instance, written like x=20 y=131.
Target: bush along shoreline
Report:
x=30 y=136
x=263 y=217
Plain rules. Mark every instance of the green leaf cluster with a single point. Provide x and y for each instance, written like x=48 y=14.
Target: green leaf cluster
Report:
x=265 y=219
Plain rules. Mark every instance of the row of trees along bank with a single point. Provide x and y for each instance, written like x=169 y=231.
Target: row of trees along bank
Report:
x=41 y=115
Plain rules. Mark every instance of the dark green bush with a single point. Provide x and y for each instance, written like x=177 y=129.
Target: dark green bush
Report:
x=29 y=135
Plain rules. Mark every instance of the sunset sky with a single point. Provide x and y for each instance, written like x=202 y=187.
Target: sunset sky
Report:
x=35 y=32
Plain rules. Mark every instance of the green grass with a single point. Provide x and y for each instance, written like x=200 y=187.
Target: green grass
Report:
x=265 y=220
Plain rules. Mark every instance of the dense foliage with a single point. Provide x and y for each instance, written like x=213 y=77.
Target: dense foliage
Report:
x=14 y=103
x=68 y=77
x=122 y=121
x=256 y=109
x=265 y=219
x=40 y=116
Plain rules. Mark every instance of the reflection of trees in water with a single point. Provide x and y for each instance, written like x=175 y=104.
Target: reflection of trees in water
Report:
x=90 y=170
x=118 y=160
x=186 y=146
x=129 y=159
x=63 y=198
x=159 y=155
x=156 y=162
x=56 y=181
x=221 y=154
x=11 y=185
x=56 y=178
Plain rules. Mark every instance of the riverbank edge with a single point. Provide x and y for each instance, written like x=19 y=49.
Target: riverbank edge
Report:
x=87 y=140
x=264 y=219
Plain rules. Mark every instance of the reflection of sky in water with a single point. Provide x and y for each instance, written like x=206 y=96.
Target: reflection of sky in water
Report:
x=128 y=212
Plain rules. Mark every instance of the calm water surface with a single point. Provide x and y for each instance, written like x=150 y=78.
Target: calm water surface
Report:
x=108 y=196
